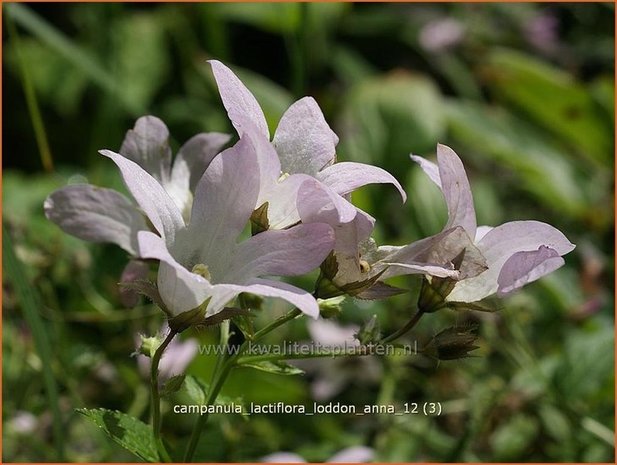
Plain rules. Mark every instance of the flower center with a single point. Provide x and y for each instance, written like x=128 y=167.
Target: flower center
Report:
x=202 y=270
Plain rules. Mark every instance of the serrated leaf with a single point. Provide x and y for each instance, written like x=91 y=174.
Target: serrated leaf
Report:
x=278 y=368
x=131 y=433
x=172 y=385
x=195 y=389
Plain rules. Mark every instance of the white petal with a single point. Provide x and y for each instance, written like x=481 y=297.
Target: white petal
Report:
x=449 y=175
x=345 y=177
x=147 y=144
x=317 y=203
x=150 y=195
x=96 y=214
x=499 y=245
x=224 y=201
x=303 y=300
x=304 y=141
x=290 y=252
x=525 y=267
x=180 y=289
x=195 y=156
x=242 y=107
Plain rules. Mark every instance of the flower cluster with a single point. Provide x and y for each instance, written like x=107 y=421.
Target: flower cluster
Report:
x=190 y=217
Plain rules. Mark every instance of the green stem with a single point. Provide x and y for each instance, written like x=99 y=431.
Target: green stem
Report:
x=224 y=372
x=156 y=398
x=410 y=324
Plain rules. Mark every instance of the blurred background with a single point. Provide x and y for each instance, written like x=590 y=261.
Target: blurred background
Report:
x=523 y=92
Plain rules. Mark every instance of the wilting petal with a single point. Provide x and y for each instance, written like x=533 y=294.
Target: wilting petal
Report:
x=242 y=107
x=180 y=289
x=304 y=141
x=317 y=203
x=452 y=180
x=147 y=144
x=501 y=243
x=290 y=252
x=345 y=177
x=150 y=195
x=96 y=214
x=224 y=200
x=525 y=267
x=355 y=454
x=195 y=156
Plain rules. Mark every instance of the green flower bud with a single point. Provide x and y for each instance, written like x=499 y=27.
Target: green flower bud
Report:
x=149 y=344
x=329 y=308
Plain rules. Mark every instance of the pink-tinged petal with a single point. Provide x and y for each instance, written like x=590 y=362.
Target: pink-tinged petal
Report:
x=456 y=190
x=398 y=269
x=345 y=177
x=438 y=251
x=282 y=198
x=317 y=203
x=355 y=454
x=482 y=231
x=451 y=178
x=177 y=357
x=303 y=300
x=150 y=195
x=242 y=107
x=147 y=144
x=225 y=198
x=501 y=243
x=180 y=289
x=525 y=267
x=304 y=141
x=195 y=156
x=429 y=168
x=282 y=457
x=133 y=271
x=291 y=252
x=269 y=165
x=96 y=214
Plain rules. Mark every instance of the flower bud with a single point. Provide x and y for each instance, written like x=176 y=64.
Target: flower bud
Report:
x=148 y=345
x=329 y=308
x=452 y=343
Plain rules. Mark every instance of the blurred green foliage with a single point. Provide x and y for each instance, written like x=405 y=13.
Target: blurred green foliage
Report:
x=523 y=92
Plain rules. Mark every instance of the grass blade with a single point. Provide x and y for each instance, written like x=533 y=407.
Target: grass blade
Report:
x=30 y=302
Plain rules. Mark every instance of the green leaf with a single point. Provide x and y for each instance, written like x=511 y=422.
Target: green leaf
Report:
x=511 y=439
x=278 y=368
x=554 y=99
x=131 y=433
x=172 y=385
x=513 y=143
x=195 y=389
x=394 y=114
